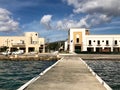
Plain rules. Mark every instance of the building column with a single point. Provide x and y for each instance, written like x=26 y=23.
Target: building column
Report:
x=65 y=46
x=26 y=50
x=94 y=49
x=36 y=49
x=111 y=49
x=71 y=47
x=43 y=49
x=84 y=48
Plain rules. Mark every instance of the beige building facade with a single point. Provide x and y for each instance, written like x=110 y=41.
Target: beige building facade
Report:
x=30 y=42
x=79 y=39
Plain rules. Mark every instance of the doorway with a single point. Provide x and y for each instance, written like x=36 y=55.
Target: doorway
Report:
x=77 y=48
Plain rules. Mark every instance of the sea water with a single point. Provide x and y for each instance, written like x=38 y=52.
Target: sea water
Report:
x=108 y=70
x=14 y=74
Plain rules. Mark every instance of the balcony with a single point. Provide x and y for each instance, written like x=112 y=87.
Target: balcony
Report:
x=90 y=45
x=78 y=44
x=18 y=44
x=115 y=44
x=98 y=45
x=107 y=45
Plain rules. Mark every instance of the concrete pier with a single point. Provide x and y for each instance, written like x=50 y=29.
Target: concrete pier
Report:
x=69 y=74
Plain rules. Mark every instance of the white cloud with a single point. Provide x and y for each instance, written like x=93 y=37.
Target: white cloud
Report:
x=111 y=7
x=85 y=22
x=95 y=19
x=106 y=28
x=7 y=24
x=96 y=11
x=65 y=24
x=45 y=20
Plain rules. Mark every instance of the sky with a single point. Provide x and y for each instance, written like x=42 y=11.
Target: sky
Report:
x=53 y=18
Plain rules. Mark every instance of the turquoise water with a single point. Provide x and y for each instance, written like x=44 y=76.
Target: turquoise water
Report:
x=109 y=71
x=14 y=74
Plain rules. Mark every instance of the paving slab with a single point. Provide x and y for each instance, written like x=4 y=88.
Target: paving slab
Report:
x=69 y=74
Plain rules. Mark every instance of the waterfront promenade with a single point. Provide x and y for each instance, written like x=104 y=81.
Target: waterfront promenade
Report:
x=69 y=74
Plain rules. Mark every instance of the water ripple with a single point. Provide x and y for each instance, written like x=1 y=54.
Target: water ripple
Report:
x=13 y=74
x=108 y=70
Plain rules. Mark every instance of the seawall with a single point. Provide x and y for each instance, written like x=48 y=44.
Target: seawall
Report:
x=30 y=57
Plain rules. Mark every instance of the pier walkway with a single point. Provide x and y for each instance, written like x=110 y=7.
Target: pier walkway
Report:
x=69 y=74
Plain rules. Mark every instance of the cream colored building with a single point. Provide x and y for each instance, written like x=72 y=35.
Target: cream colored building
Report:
x=79 y=39
x=30 y=42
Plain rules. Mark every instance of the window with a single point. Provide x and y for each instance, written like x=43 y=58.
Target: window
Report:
x=77 y=40
x=34 y=42
x=98 y=42
x=22 y=41
x=107 y=43
x=115 y=42
x=90 y=42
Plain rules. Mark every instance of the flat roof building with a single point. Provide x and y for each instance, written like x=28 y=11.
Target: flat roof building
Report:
x=30 y=42
x=80 y=40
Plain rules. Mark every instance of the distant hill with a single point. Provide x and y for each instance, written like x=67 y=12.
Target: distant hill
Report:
x=55 y=46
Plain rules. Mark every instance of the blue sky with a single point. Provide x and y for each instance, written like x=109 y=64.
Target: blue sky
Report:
x=52 y=18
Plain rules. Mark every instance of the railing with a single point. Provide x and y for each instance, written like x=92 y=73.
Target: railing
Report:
x=107 y=45
x=98 y=45
x=14 y=44
x=89 y=45
x=115 y=44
